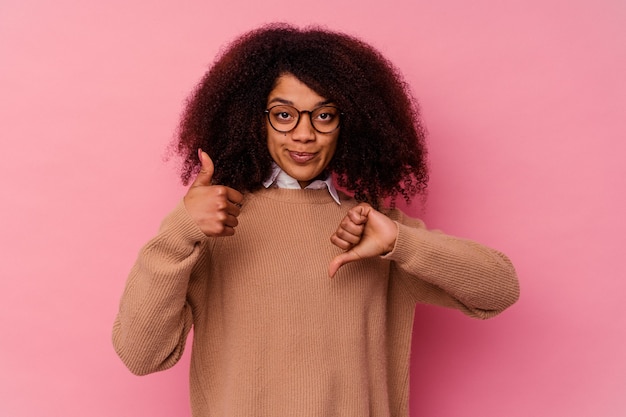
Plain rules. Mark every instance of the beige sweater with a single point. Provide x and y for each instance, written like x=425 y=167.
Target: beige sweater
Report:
x=273 y=335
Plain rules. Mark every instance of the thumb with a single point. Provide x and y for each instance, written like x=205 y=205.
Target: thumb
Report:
x=341 y=260
x=206 y=172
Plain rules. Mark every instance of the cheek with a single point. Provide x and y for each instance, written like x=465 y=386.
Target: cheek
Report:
x=332 y=148
x=273 y=144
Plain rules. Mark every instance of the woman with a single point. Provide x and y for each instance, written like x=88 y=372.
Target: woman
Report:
x=245 y=258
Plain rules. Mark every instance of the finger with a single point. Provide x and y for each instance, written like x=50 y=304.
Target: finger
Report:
x=233 y=209
x=228 y=231
x=348 y=228
x=231 y=221
x=344 y=239
x=341 y=260
x=224 y=231
x=234 y=196
x=340 y=243
x=221 y=225
x=206 y=172
x=229 y=197
x=358 y=214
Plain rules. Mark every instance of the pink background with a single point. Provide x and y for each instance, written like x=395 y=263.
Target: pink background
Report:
x=525 y=103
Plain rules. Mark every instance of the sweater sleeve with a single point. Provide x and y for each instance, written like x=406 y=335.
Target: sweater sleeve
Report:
x=154 y=316
x=436 y=268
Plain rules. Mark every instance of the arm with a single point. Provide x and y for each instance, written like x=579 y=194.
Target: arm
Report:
x=154 y=318
x=435 y=268
x=452 y=272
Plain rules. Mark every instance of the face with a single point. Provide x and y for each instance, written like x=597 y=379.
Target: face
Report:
x=303 y=152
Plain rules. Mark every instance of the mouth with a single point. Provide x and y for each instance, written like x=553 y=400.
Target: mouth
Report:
x=301 y=157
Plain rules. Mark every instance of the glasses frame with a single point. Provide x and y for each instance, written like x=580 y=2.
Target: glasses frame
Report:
x=310 y=112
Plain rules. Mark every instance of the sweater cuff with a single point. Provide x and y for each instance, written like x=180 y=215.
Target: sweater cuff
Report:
x=407 y=245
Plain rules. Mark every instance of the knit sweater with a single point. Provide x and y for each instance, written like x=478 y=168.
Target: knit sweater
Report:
x=273 y=334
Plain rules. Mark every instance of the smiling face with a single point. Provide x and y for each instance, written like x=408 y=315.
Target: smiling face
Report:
x=303 y=152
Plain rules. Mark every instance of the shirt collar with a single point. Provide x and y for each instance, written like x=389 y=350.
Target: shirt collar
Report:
x=281 y=179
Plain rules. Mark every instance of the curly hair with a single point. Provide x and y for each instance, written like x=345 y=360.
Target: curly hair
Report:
x=381 y=151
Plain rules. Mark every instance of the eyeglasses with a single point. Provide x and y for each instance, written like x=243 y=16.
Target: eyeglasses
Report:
x=284 y=119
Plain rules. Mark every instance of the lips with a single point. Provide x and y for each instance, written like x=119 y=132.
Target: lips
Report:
x=301 y=157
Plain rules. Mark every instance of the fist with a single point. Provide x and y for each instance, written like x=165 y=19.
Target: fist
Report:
x=214 y=208
x=363 y=233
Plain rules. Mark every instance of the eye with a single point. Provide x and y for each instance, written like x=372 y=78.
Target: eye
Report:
x=325 y=114
x=283 y=114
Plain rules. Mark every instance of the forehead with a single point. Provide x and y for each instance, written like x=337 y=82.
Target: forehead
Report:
x=290 y=90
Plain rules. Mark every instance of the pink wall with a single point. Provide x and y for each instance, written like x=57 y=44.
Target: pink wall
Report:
x=525 y=103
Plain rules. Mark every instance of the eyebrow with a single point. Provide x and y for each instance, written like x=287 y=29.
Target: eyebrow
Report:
x=290 y=103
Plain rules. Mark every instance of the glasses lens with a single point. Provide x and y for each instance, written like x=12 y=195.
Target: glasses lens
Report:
x=325 y=119
x=283 y=118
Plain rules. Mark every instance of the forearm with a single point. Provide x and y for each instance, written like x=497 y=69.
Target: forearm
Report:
x=455 y=272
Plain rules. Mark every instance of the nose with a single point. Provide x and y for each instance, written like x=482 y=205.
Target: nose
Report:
x=303 y=132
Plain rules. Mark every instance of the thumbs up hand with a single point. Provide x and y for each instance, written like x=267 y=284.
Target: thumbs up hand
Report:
x=214 y=208
x=363 y=233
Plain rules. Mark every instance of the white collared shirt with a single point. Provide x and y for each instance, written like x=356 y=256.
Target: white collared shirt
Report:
x=281 y=179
